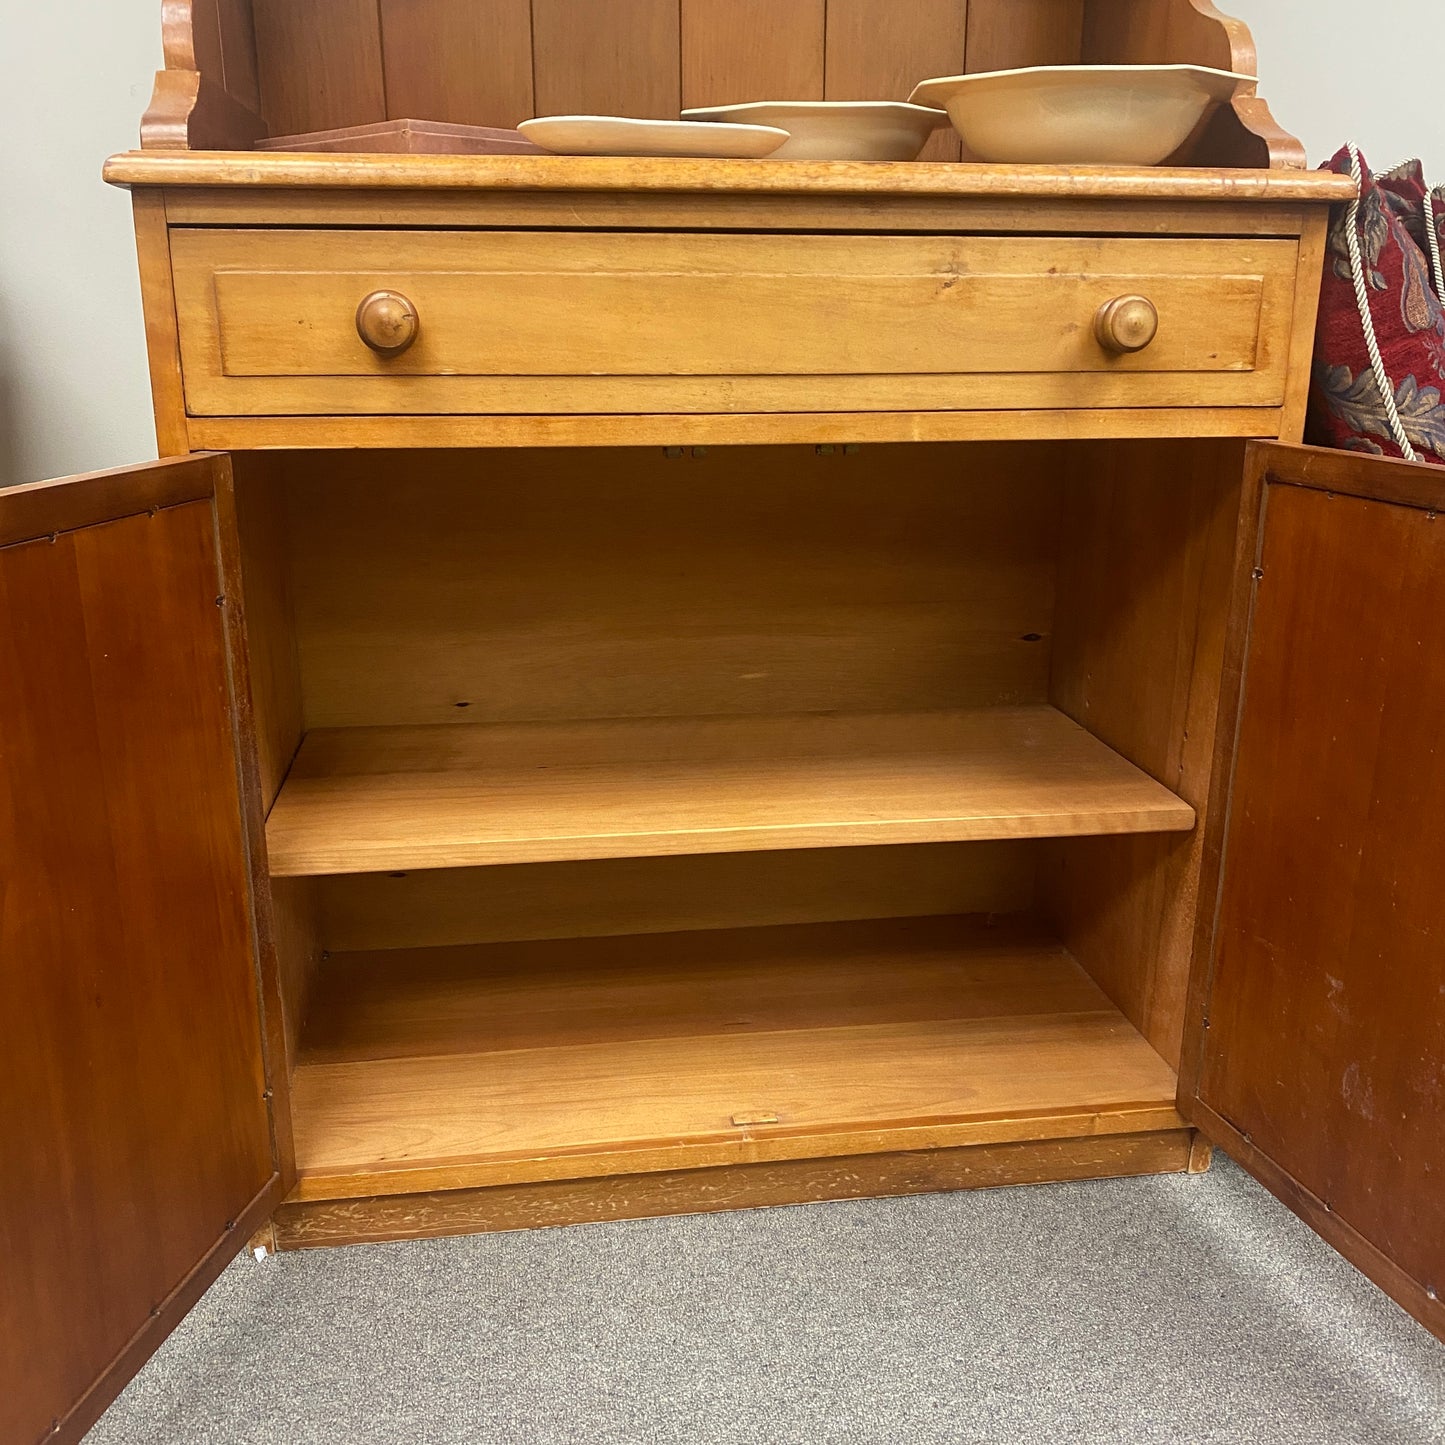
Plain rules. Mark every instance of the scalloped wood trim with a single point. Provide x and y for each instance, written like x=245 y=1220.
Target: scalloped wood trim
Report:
x=1247 y=134
x=206 y=97
x=1286 y=150
x=1196 y=32
x=187 y=112
x=178 y=36
x=1206 y=22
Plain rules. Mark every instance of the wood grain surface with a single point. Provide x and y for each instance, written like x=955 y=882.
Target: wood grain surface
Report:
x=607 y=57
x=1144 y=587
x=1009 y=34
x=131 y=1060
x=738 y=428
x=648 y=322
x=361 y=800
x=319 y=64
x=503 y=57
x=36 y=510
x=501 y=304
x=582 y=173
x=543 y=1205
x=535 y=586
x=1324 y=998
x=577 y=1057
x=457 y=61
x=878 y=212
x=440 y=906
x=870 y=56
x=739 y=50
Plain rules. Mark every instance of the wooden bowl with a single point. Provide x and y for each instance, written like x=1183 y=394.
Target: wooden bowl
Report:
x=836 y=130
x=1123 y=115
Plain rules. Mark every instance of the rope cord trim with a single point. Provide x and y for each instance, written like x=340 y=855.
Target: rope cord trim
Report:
x=1433 y=236
x=1362 y=301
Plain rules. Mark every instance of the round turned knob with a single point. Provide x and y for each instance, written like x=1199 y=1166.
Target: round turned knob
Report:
x=387 y=322
x=1127 y=323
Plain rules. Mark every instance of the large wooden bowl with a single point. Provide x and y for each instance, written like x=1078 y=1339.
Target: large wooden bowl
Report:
x=1127 y=115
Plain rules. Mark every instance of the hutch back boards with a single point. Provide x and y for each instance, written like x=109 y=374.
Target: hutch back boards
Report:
x=239 y=71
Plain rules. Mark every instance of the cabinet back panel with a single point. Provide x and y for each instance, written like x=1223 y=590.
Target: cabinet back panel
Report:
x=1144 y=32
x=310 y=65
x=458 y=61
x=734 y=50
x=439 y=907
x=607 y=57
x=1010 y=34
x=220 y=42
x=475 y=587
x=325 y=63
x=319 y=64
x=870 y=56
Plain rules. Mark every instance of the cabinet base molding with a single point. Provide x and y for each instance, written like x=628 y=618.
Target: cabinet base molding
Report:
x=306 y=1224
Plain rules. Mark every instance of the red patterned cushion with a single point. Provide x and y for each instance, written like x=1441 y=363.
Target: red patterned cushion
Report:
x=1347 y=406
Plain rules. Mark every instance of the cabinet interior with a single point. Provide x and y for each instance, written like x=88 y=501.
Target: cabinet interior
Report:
x=645 y=808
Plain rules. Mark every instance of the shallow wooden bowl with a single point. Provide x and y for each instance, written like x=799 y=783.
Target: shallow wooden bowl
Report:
x=1127 y=115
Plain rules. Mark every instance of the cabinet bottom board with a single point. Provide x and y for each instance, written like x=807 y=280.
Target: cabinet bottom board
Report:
x=509 y=1064
x=552 y=1203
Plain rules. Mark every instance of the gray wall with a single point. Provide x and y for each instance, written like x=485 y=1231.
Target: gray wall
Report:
x=74 y=395
x=1338 y=70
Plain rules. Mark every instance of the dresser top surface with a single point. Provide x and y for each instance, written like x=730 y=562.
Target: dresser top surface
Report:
x=765 y=177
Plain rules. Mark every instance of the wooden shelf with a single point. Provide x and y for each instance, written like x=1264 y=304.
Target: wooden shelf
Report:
x=462 y=1067
x=363 y=800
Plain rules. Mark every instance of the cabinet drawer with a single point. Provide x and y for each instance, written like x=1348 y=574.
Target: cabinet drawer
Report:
x=617 y=322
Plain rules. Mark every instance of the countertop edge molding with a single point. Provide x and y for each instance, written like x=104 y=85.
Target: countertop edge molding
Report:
x=574 y=173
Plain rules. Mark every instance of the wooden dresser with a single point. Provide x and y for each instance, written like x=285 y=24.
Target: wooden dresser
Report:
x=657 y=686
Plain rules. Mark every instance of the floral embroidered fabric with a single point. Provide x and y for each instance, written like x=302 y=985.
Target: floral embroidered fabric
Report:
x=1347 y=408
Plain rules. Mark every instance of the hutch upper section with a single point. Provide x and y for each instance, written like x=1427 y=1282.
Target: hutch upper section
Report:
x=239 y=71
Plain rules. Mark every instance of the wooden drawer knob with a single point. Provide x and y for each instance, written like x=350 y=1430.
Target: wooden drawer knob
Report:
x=1127 y=323
x=387 y=322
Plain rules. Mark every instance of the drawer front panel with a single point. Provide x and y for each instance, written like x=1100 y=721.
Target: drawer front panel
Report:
x=620 y=322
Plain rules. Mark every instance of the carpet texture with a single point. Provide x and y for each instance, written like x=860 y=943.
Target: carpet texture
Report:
x=1171 y=1309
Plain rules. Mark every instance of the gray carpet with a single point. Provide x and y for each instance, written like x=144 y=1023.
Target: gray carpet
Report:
x=1171 y=1309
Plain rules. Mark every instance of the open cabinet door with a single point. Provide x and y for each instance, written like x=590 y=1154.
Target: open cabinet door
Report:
x=1317 y=1009
x=138 y=1146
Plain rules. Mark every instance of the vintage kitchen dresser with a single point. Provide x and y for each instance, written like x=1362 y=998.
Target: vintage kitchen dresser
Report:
x=657 y=686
